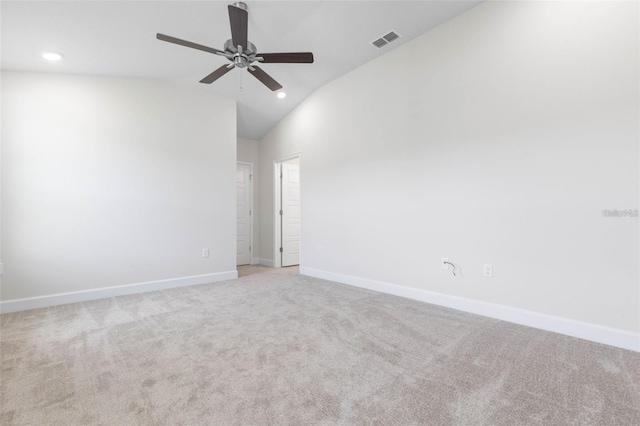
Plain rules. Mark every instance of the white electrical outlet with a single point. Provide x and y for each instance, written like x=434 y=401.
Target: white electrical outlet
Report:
x=488 y=270
x=205 y=252
x=443 y=265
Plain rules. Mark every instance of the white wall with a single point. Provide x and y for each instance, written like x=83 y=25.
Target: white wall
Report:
x=249 y=152
x=111 y=181
x=499 y=137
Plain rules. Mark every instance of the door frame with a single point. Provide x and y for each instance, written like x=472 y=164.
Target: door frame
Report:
x=251 y=210
x=277 y=202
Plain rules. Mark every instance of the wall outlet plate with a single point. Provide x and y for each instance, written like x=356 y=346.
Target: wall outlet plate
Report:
x=488 y=270
x=205 y=252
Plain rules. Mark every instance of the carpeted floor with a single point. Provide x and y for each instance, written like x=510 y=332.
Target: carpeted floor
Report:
x=279 y=348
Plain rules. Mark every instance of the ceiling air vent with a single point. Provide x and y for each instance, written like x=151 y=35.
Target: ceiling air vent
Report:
x=386 y=39
x=379 y=43
x=391 y=37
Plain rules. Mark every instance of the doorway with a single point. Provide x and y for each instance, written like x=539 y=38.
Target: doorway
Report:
x=244 y=222
x=287 y=212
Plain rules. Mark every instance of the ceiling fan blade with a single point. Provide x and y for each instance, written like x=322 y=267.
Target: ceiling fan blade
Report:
x=265 y=78
x=239 y=20
x=216 y=74
x=287 y=58
x=186 y=43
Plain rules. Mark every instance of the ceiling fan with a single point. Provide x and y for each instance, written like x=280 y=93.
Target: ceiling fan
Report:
x=241 y=52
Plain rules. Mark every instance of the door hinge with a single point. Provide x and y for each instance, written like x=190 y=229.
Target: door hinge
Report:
x=249 y=248
x=280 y=175
x=249 y=212
x=280 y=249
x=280 y=212
x=250 y=177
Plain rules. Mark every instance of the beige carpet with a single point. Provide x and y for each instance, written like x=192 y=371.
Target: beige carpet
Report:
x=279 y=348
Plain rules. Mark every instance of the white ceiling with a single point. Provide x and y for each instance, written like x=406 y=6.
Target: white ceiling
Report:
x=117 y=38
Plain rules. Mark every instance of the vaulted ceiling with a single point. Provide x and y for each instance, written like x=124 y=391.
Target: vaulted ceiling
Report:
x=118 y=38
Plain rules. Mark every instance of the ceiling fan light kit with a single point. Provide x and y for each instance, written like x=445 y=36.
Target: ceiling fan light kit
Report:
x=241 y=52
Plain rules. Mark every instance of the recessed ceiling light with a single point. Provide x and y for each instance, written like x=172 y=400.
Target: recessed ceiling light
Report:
x=52 y=56
x=282 y=95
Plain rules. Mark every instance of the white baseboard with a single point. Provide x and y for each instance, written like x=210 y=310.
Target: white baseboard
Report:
x=593 y=332
x=255 y=261
x=16 y=305
x=265 y=262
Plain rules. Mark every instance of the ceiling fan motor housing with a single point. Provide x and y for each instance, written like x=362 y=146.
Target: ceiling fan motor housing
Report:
x=241 y=60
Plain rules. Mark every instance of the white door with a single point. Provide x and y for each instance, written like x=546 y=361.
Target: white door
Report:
x=243 y=212
x=290 y=191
